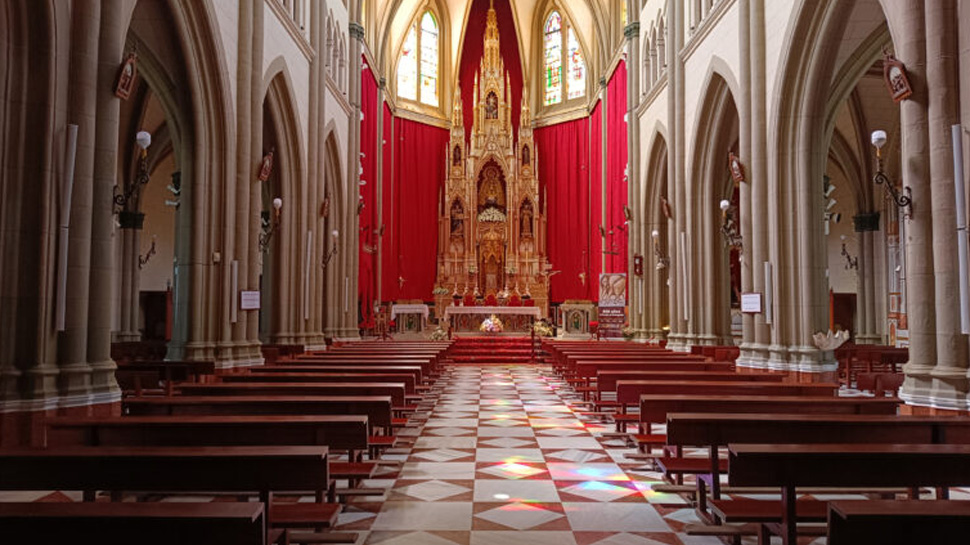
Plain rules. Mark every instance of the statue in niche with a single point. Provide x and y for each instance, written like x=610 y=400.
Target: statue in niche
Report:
x=457 y=217
x=526 y=156
x=491 y=193
x=525 y=219
x=456 y=157
x=491 y=106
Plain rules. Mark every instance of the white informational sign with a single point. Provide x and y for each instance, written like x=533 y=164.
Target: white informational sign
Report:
x=751 y=303
x=249 y=300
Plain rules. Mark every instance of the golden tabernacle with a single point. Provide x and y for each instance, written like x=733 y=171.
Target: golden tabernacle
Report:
x=492 y=223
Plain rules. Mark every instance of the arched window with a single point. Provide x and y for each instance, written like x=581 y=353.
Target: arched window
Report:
x=417 y=69
x=565 y=77
x=553 y=58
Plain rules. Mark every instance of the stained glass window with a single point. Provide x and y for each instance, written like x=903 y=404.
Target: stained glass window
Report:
x=407 y=67
x=429 y=60
x=577 y=67
x=553 y=59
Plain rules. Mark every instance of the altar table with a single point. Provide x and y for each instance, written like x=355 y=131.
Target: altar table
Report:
x=514 y=319
x=413 y=318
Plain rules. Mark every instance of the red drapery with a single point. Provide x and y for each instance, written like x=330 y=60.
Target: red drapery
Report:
x=563 y=151
x=595 y=201
x=471 y=55
x=616 y=161
x=366 y=279
x=419 y=171
x=388 y=246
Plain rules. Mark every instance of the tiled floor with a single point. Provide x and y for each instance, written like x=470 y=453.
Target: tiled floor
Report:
x=503 y=459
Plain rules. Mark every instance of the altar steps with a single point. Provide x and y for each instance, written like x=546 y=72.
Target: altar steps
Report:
x=492 y=350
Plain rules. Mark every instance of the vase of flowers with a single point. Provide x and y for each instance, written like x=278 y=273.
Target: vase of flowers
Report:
x=491 y=325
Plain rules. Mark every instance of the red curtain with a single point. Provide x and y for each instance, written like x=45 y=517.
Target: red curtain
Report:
x=388 y=246
x=563 y=152
x=471 y=57
x=419 y=172
x=595 y=201
x=366 y=279
x=616 y=182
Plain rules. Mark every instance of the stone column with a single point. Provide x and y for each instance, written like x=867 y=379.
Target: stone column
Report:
x=250 y=353
x=75 y=373
x=677 y=181
x=349 y=328
x=920 y=280
x=757 y=175
x=950 y=375
x=635 y=185
x=744 y=102
x=865 y=226
x=111 y=46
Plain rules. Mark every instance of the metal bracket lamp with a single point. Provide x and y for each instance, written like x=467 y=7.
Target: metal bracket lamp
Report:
x=143 y=139
x=143 y=260
x=333 y=250
x=903 y=200
x=729 y=226
x=270 y=228
x=850 y=262
x=662 y=260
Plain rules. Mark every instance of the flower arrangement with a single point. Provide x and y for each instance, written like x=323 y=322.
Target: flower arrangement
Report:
x=439 y=334
x=491 y=215
x=628 y=332
x=542 y=329
x=491 y=325
x=440 y=291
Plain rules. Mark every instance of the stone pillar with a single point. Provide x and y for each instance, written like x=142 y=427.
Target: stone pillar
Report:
x=865 y=226
x=74 y=379
x=920 y=280
x=111 y=44
x=250 y=353
x=349 y=291
x=757 y=174
x=744 y=102
x=677 y=181
x=950 y=375
x=635 y=185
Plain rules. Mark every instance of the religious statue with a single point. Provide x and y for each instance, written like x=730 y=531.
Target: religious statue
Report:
x=266 y=166
x=457 y=217
x=456 y=157
x=126 y=77
x=525 y=219
x=526 y=156
x=491 y=193
x=491 y=106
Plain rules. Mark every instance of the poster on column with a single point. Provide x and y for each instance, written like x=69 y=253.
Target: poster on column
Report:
x=612 y=305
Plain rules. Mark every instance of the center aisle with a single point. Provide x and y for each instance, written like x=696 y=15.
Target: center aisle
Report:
x=503 y=459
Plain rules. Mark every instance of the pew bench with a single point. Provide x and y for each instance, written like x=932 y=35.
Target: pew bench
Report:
x=897 y=522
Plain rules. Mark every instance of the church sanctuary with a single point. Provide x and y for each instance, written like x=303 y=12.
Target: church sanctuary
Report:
x=484 y=272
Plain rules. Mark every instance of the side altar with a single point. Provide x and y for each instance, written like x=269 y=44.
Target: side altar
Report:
x=492 y=222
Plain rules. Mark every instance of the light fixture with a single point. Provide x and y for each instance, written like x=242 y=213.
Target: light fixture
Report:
x=270 y=225
x=333 y=249
x=850 y=262
x=662 y=260
x=904 y=200
x=729 y=226
x=143 y=260
x=142 y=140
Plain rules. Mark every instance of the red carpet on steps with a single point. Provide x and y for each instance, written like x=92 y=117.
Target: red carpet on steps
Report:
x=483 y=350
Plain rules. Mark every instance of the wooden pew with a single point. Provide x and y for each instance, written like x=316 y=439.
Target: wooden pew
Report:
x=606 y=379
x=428 y=368
x=127 y=523
x=897 y=522
x=261 y=470
x=376 y=408
x=588 y=369
x=138 y=375
x=393 y=389
x=407 y=379
x=412 y=369
x=713 y=431
x=629 y=391
x=655 y=408
x=842 y=465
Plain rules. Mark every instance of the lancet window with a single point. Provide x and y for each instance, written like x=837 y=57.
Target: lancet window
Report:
x=564 y=67
x=417 y=68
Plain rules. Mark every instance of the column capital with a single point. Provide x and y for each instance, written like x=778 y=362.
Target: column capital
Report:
x=632 y=30
x=356 y=31
x=866 y=222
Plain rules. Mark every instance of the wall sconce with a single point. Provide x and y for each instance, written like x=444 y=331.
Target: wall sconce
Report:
x=333 y=249
x=904 y=200
x=143 y=260
x=850 y=262
x=729 y=226
x=270 y=225
x=143 y=139
x=662 y=260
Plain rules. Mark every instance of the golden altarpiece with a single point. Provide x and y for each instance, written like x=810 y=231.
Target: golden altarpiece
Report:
x=492 y=224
